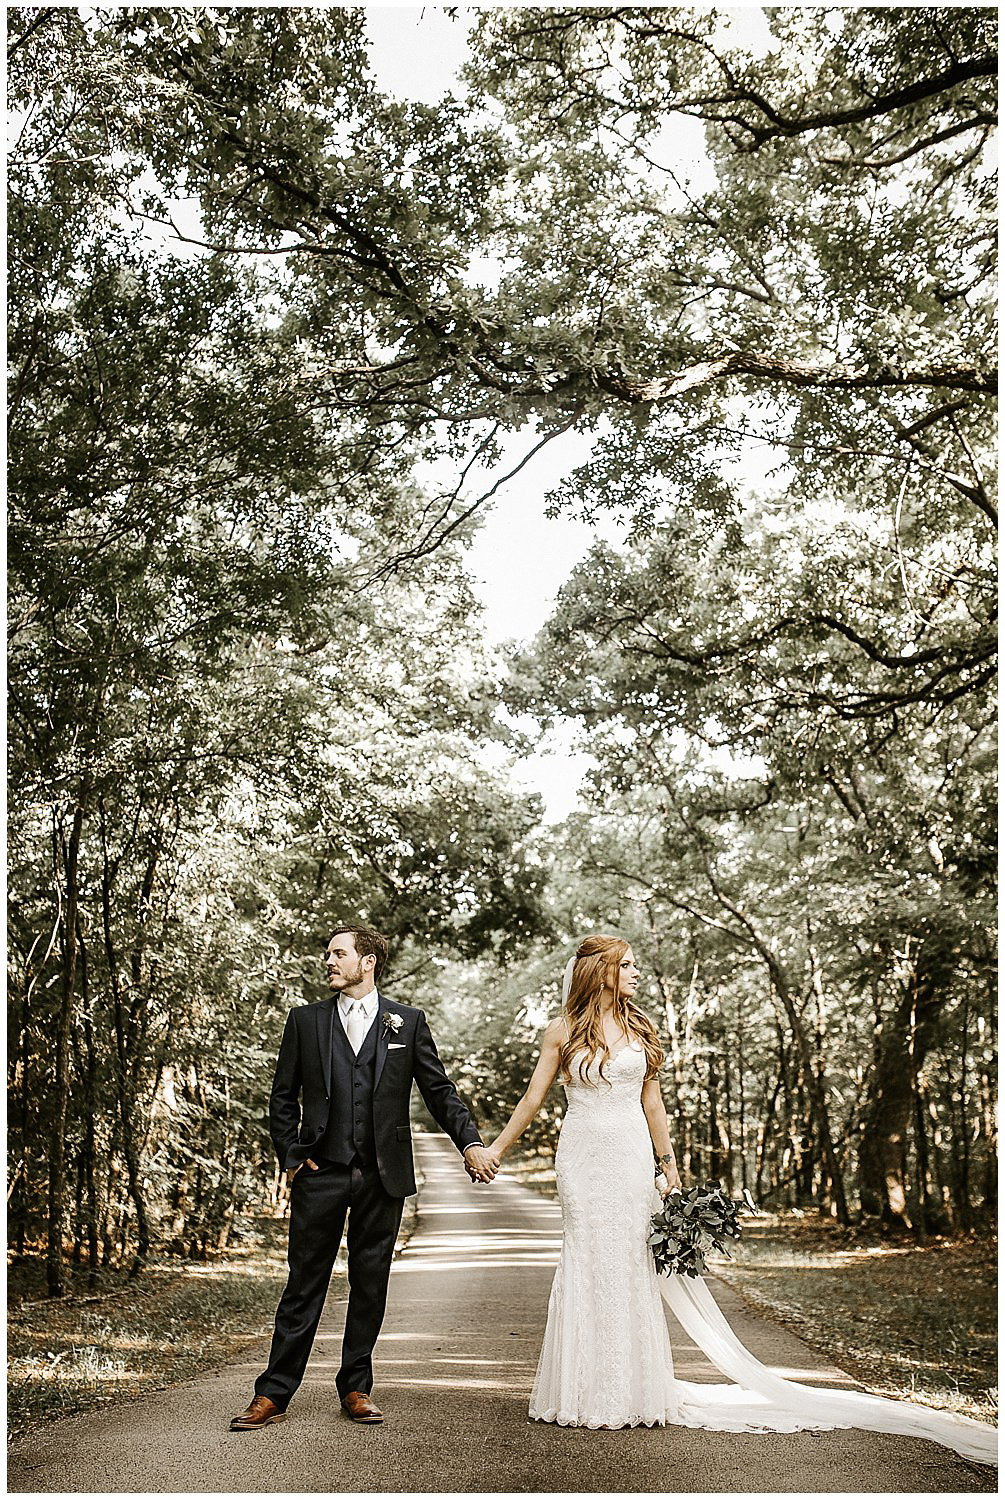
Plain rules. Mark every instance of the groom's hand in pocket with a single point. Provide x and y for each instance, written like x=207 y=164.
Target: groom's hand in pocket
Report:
x=308 y=1163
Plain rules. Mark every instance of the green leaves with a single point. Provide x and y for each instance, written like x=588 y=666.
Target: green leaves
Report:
x=692 y=1225
x=229 y=590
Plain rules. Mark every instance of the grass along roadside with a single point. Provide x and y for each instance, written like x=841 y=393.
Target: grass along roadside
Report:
x=908 y=1321
x=128 y=1339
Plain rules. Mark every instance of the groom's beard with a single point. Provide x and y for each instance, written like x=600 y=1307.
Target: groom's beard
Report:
x=339 y=982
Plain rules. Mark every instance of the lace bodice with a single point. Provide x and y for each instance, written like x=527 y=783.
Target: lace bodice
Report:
x=616 y=1093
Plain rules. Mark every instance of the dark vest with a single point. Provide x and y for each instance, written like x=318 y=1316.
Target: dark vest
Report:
x=350 y=1120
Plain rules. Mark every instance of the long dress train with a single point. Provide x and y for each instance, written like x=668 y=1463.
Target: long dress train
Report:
x=606 y=1359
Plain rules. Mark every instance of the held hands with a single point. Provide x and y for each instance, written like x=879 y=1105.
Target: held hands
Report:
x=481 y=1163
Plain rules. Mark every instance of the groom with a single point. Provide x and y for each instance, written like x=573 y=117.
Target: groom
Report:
x=338 y=1115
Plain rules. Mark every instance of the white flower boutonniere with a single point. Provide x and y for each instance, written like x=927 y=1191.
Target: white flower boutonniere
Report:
x=392 y=1023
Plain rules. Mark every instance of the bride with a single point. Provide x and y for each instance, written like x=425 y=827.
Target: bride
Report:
x=606 y=1359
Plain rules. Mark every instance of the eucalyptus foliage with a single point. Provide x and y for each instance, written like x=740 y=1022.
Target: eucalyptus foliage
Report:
x=691 y=1226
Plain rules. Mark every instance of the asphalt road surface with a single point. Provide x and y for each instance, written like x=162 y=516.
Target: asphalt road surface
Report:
x=453 y=1370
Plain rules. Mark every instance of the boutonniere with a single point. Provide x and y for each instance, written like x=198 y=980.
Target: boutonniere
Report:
x=392 y=1023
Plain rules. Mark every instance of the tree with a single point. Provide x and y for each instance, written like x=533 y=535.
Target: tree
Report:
x=193 y=677
x=839 y=844
x=813 y=298
x=243 y=655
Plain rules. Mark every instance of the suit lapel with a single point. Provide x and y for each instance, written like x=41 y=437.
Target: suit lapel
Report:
x=326 y=1020
x=383 y=1034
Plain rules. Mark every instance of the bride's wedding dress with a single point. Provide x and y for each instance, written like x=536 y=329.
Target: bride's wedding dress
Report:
x=606 y=1359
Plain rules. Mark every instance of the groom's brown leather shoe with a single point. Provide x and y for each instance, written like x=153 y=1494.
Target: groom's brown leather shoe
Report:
x=360 y=1408
x=261 y=1413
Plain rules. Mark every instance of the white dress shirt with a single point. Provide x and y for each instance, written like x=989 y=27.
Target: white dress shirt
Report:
x=356 y=1023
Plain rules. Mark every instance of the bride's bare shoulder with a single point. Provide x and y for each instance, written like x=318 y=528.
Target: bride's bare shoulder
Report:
x=555 y=1033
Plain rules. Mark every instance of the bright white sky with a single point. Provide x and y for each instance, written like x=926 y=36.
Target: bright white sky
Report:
x=520 y=558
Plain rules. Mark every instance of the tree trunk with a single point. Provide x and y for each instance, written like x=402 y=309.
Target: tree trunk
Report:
x=901 y=1045
x=78 y=1212
x=989 y=1130
x=784 y=1154
x=108 y=1229
x=938 y=1151
x=766 y=1134
x=88 y=1070
x=882 y=1153
x=832 y=1195
x=58 y=1099
x=741 y=1085
x=963 y=1156
x=726 y=1117
x=988 y=1087
x=124 y=1072
x=802 y=1144
x=933 y=1215
x=19 y=1213
x=718 y=1135
x=679 y=1059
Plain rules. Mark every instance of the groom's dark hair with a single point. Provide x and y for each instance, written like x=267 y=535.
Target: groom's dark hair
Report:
x=367 y=940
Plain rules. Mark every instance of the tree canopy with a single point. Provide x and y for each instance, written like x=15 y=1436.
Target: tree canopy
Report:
x=276 y=340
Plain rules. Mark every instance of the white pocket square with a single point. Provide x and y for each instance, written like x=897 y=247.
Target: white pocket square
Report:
x=399 y=1045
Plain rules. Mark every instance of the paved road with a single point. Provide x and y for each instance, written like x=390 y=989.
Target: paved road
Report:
x=454 y=1368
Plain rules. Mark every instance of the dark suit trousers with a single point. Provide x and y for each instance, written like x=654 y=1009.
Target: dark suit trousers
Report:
x=319 y=1202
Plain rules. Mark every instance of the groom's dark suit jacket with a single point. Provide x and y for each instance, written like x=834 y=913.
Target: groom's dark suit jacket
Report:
x=304 y=1090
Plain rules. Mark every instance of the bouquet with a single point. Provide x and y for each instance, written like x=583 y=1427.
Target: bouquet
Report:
x=691 y=1225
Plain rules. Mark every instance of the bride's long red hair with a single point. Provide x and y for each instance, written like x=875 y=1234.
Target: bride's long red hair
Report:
x=598 y=965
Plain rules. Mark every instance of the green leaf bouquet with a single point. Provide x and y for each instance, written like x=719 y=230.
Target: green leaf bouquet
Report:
x=692 y=1225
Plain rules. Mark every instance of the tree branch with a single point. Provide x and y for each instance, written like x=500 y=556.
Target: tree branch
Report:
x=790 y=372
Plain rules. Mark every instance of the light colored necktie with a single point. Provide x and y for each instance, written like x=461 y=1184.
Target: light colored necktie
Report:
x=356 y=1027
